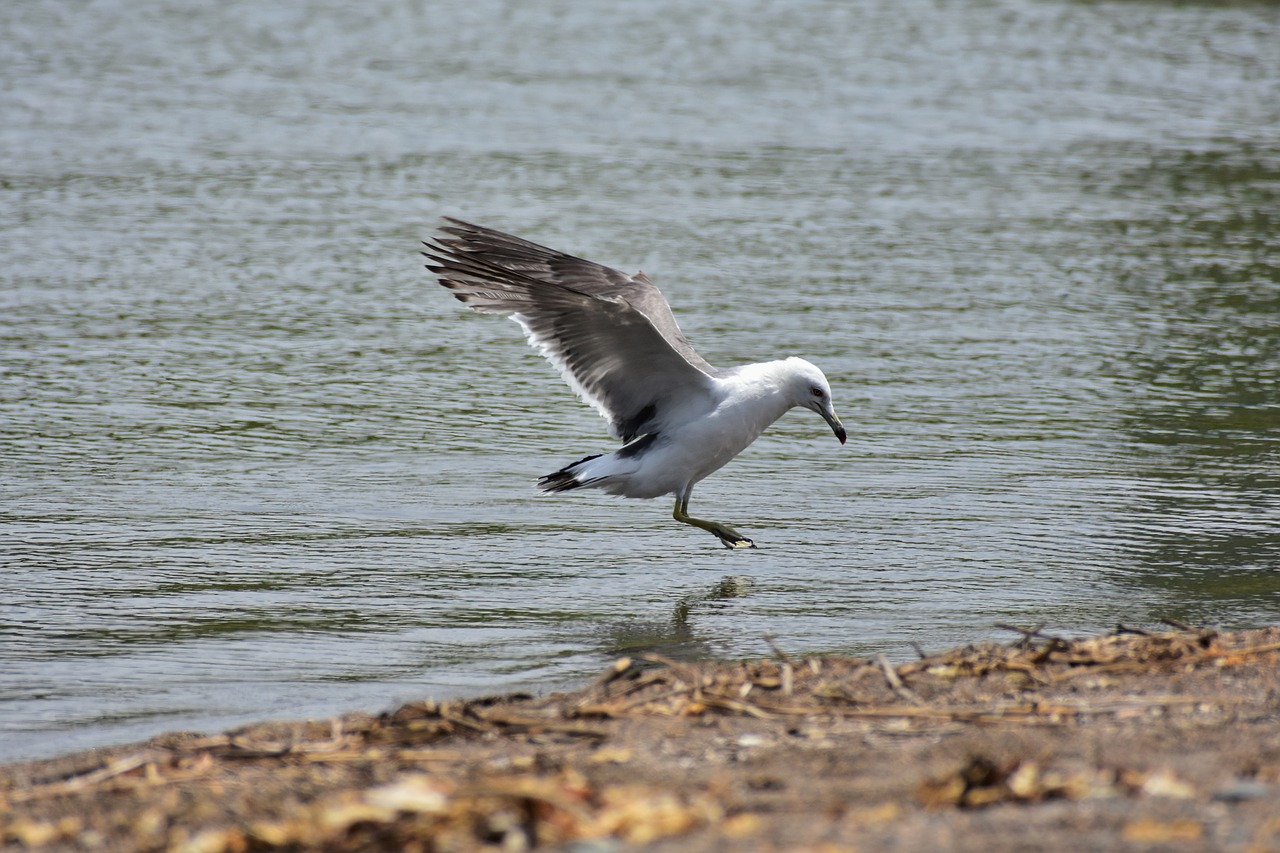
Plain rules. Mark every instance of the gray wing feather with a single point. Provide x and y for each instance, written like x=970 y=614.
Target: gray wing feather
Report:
x=612 y=335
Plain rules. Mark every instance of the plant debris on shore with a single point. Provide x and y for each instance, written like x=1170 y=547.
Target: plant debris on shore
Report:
x=1134 y=738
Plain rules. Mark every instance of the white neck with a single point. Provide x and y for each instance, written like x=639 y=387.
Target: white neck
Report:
x=759 y=394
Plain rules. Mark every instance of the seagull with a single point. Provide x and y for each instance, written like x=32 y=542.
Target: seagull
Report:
x=616 y=342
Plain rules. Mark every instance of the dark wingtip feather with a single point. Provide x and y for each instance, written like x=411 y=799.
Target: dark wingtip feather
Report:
x=560 y=481
x=566 y=478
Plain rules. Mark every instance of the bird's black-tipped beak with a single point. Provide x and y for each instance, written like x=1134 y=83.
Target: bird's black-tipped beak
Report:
x=836 y=426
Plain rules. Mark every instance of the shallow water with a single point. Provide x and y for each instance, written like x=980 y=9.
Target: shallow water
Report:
x=253 y=462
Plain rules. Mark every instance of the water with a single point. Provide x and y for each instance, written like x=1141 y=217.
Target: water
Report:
x=254 y=463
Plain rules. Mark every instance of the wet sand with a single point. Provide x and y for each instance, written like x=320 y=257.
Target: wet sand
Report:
x=1134 y=740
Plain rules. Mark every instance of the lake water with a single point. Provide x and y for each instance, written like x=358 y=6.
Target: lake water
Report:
x=255 y=463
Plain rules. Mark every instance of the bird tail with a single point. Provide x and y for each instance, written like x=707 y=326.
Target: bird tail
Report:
x=567 y=477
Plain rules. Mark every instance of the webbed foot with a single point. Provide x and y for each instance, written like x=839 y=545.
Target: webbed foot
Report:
x=731 y=538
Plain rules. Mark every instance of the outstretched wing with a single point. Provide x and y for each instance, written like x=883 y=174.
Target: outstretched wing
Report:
x=612 y=335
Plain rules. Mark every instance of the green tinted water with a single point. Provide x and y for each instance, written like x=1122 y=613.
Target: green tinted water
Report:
x=254 y=462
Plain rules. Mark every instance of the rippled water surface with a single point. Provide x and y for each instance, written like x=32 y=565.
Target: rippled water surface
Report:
x=254 y=462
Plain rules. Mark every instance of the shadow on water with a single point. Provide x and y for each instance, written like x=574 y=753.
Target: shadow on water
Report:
x=676 y=638
x=1202 y=279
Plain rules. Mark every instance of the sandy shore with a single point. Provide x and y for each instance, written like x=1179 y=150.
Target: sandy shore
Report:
x=1136 y=740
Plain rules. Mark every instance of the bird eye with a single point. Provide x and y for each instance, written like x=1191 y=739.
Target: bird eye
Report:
x=817 y=392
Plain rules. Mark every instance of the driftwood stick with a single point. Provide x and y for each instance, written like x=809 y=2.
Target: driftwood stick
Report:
x=895 y=682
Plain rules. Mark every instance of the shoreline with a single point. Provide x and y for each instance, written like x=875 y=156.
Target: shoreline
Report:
x=1127 y=740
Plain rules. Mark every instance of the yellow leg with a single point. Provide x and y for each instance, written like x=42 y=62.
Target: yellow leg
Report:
x=730 y=537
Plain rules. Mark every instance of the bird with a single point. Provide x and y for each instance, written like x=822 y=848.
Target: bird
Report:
x=617 y=344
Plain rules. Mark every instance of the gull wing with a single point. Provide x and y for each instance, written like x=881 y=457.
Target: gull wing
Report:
x=612 y=335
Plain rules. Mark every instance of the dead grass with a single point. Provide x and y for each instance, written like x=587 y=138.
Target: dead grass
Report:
x=1132 y=738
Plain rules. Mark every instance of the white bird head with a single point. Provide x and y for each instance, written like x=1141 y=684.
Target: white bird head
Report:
x=809 y=388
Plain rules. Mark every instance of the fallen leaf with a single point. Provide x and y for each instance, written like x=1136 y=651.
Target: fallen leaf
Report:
x=1148 y=830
